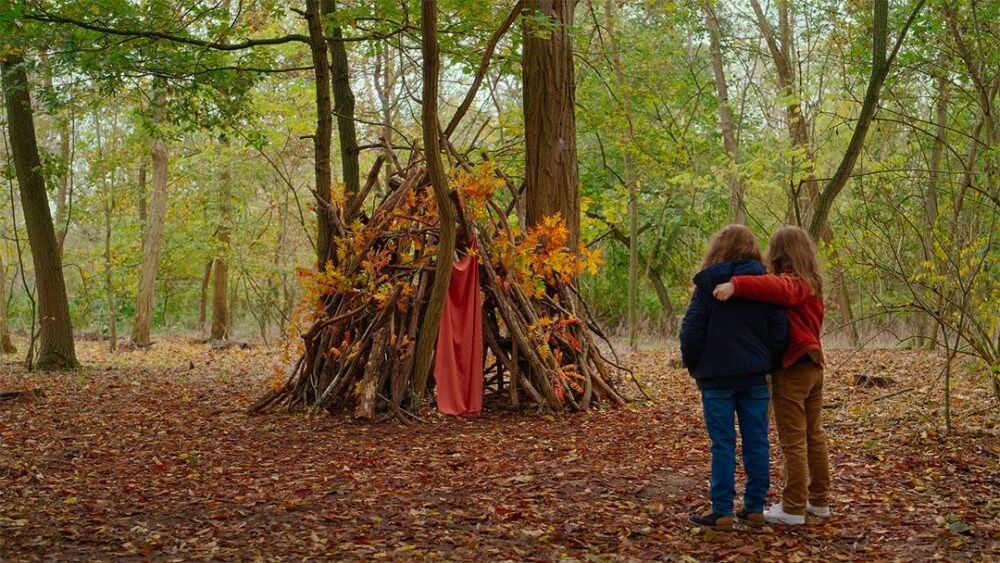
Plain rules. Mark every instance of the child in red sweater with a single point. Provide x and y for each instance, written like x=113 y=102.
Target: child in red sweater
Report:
x=797 y=389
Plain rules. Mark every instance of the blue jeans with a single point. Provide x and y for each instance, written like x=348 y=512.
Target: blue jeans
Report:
x=750 y=405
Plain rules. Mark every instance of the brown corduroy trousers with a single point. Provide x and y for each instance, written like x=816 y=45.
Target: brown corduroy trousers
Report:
x=797 y=397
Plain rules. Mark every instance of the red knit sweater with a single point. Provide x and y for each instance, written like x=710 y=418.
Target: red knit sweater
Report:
x=804 y=310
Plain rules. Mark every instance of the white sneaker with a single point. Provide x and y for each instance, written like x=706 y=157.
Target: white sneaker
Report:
x=775 y=515
x=818 y=511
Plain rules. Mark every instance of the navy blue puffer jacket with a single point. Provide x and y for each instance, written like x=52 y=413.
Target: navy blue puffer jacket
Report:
x=731 y=344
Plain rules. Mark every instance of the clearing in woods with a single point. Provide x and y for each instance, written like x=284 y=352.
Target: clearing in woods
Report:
x=150 y=455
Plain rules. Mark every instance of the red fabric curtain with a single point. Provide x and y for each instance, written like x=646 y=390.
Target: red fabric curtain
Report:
x=458 y=363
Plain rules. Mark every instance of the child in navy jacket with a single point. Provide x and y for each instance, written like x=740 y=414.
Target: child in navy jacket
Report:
x=729 y=348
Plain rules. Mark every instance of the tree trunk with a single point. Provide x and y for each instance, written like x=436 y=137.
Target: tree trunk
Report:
x=234 y=300
x=880 y=69
x=324 y=132
x=427 y=337
x=220 y=289
x=927 y=328
x=6 y=344
x=343 y=100
x=108 y=197
x=385 y=80
x=737 y=212
x=153 y=239
x=551 y=173
x=143 y=211
x=56 y=349
x=631 y=182
x=203 y=302
x=109 y=286
x=801 y=202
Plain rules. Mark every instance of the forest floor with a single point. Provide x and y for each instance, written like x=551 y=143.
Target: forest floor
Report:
x=150 y=455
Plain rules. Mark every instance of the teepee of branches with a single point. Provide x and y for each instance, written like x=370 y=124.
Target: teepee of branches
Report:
x=364 y=309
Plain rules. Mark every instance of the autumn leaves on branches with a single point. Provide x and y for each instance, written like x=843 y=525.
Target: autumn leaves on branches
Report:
x=361 y=314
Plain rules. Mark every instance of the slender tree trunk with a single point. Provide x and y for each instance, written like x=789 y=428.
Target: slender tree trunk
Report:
x=423 y=354
x=656 y=279
x=927 y=328
x=154 y=236
x=143 y=210
x=62 y=193
x=385 y=81
x=234 y=301
x=109 y=286
x=108 y=204
x=343 y=100
x=737 y=212
x=6 y=344
x=631 y=182
x=203 y=301
x=56 y=349
x=324 y=132
x=551 y=173
x=220 y=289
x=801 y=201
x=880 y=69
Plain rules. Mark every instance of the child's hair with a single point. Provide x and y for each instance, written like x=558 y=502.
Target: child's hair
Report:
x=792 y=251
x=734 y=242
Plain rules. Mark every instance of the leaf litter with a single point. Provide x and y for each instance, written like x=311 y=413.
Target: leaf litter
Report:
x=150 y=455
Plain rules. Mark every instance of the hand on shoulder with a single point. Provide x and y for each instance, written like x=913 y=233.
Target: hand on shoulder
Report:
x=723 y=291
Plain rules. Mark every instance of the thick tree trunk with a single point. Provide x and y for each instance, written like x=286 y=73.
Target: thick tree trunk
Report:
x=56 y=349
x=152 y=242
x=427 y=337
x=324 y=132
x=551 y=173
x=737 y=212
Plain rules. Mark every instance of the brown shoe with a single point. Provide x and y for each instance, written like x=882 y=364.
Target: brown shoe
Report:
x=712 y=520
x=754 y=519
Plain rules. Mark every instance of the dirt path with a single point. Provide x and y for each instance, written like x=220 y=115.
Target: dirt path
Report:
x=145 y=457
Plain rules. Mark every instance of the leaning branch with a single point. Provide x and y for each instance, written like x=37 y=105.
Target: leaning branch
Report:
x=159 y=35
x=484 y=65
x=880 y=69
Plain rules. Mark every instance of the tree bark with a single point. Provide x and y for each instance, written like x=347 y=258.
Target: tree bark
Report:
x=551 y=173
x=343 y=108
x=56 y=349
x=446 y=211
x=220 y=289
x=800 y=203
x=737 y=212
x=108 y=204
x=6 y=344
x=203 y=301
x=324 y=133
x=154 y=236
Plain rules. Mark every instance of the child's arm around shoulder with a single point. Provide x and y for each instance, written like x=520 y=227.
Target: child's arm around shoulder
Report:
x=778 y=289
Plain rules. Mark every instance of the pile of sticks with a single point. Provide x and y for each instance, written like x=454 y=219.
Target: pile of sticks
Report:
x=357 y=353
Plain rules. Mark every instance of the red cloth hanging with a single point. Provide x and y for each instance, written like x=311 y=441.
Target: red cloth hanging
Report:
x=458 y=364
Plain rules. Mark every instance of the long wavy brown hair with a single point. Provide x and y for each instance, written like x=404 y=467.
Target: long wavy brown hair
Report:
x=734 y=242
x=792 y=251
